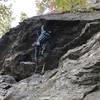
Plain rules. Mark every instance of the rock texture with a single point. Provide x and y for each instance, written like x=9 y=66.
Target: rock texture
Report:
x=72 y=68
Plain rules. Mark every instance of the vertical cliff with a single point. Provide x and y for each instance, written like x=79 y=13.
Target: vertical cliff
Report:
x=71 y=69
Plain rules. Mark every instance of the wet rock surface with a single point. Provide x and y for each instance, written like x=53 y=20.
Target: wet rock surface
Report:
x=71 y=68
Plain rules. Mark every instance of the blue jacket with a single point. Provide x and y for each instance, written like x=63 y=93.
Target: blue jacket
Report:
x=44 y=36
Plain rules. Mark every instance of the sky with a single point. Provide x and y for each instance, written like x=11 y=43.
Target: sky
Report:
x=27 y=6
x=18 y=6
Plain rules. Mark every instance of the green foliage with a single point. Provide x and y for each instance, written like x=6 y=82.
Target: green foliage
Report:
x=61 y=5
x=70 y=5
x=23 y=16
x=42 y=5
x=5 y=18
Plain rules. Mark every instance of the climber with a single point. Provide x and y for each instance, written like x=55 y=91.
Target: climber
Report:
x=43 y=36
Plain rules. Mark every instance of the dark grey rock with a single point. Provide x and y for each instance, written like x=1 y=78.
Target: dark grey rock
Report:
x=71 y=69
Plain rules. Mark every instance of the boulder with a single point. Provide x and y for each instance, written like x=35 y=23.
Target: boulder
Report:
x=71 y=70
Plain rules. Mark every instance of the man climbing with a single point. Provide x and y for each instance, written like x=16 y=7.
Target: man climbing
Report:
x=44 y=36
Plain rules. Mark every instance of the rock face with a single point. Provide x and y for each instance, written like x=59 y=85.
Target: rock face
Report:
x=94 y=4
x=71 y=68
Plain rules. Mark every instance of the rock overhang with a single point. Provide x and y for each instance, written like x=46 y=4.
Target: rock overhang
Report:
x=85 y=16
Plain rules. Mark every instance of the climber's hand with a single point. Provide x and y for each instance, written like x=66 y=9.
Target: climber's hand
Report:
x=33 y=44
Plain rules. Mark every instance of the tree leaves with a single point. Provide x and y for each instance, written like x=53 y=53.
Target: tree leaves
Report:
x=61 y=5
x=23 y=16
x=5 y=18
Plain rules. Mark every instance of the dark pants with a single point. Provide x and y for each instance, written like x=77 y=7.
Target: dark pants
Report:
x=37 y=52
x=45 y=40
x=45 y=47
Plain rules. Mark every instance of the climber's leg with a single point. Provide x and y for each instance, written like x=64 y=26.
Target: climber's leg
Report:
x=43 y=49
x=37 y=50
x=43 y=68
